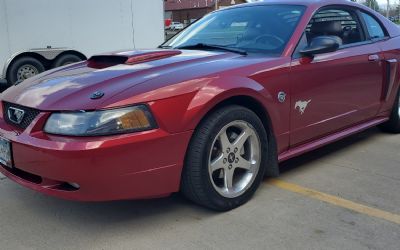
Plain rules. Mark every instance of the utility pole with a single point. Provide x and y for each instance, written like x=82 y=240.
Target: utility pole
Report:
x=388 y=9
x=399 y=12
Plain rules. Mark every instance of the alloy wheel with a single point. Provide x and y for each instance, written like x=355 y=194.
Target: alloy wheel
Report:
x=234 y=159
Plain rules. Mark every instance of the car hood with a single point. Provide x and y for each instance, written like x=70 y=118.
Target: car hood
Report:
x=71 y=87
x=119 y=74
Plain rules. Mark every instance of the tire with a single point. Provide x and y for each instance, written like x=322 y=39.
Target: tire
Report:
x=24 y=68
x=393 y=125
x=65 y=60
x=208 y=187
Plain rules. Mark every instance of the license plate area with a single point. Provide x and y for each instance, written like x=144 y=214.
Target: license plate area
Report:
x=5 y=153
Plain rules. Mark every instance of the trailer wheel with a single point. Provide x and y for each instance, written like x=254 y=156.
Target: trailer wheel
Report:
x=24 y=68
x=65 y=60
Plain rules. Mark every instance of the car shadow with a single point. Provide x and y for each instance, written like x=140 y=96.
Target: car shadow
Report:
x=334 y=148
x=90 y=215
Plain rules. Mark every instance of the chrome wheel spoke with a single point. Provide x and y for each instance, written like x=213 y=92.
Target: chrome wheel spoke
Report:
x=217 y=163
x=228 y=179
x=242 y=138
x=223 y=139
x=244 y=164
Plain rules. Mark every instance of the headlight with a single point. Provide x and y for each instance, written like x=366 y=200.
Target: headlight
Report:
x=103 y=122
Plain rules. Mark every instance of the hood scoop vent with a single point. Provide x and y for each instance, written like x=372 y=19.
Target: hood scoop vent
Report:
x=105 y=61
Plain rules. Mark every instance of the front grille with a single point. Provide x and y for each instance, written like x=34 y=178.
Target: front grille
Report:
x=29 y=116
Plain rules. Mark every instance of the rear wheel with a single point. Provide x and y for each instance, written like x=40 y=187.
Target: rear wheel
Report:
x=24 y=68
x=65 y=60
x=226 y=158
x=393 y=125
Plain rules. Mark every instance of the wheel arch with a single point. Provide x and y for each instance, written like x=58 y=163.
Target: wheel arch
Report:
x=255 y=105
x=71 y=52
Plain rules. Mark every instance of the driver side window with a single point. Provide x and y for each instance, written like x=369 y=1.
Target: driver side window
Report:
x=341 y=24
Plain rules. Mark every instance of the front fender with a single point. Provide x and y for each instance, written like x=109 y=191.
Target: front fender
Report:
x=184 y=112
x=222 y=89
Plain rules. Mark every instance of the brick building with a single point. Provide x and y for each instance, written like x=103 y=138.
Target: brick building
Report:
x=186 y=11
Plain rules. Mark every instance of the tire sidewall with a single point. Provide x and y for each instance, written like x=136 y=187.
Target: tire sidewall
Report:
x=70 y=59
x=252 y=119
x=14 y=68
x=395 y=112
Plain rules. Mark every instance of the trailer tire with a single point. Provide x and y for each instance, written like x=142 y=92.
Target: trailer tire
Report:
x=24 y=68
x=65 y=60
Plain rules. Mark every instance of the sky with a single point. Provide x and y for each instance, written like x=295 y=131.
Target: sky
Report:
x=384 y=2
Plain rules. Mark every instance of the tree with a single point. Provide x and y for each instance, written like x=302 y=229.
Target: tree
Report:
x=373 y=4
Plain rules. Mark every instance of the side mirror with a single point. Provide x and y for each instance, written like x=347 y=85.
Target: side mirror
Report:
x=320 y=45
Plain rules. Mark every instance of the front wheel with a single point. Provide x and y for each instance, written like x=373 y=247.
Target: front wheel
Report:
x=226 y=159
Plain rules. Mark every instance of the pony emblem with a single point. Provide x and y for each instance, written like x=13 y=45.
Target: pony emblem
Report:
x=302 y=105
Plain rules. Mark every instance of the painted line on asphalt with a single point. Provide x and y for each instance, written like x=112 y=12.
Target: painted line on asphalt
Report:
x=337 y=201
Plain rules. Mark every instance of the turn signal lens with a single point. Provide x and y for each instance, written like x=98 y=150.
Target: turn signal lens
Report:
x=135 y=119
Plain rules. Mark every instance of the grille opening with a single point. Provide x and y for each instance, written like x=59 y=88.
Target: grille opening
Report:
x=66 y=187
x=35 y=179
x=29 y=116
x=24 y=175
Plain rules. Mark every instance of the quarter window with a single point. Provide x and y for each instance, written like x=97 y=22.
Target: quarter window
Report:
x=374 y=28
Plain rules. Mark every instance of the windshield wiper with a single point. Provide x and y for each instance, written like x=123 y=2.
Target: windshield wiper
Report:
x=211 y=46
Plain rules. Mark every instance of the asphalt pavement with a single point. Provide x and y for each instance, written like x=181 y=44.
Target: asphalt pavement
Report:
x=344 y=196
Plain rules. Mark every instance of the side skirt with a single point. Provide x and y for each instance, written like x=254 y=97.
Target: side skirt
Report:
x=304 y=148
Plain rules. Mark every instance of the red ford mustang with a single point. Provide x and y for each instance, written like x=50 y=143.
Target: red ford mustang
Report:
x=209 y=113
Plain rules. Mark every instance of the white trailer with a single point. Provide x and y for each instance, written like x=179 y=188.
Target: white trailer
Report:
x=42 y=34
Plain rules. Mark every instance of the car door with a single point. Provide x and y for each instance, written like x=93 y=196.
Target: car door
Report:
x=334 y=90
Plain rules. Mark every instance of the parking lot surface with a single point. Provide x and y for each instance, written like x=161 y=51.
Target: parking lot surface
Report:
x=343 y=196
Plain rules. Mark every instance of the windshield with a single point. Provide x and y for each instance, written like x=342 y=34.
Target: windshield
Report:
x=260 y=29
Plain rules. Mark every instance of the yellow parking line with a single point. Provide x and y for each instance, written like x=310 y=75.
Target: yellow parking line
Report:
x=337 y=201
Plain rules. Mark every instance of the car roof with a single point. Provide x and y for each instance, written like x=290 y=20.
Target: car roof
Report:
x=304 y=2
x=392 y=28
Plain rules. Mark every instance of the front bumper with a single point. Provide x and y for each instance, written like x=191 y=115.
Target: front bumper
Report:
x=130 y=166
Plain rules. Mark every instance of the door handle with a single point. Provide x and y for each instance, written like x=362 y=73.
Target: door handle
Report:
x=373 y=58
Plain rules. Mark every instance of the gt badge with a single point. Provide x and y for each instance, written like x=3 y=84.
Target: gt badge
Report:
x=302 y=105
x=281 y=97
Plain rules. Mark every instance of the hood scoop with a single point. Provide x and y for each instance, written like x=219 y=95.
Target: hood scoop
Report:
x=105 y=61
